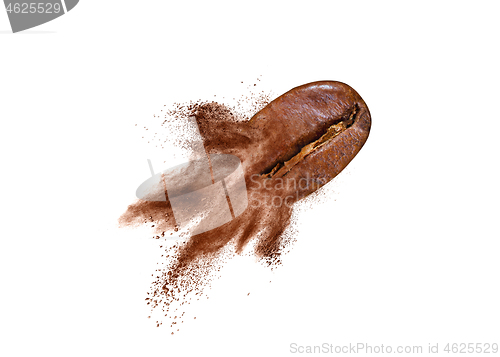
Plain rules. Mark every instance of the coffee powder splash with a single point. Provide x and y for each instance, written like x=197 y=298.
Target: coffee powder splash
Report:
x=191 y=265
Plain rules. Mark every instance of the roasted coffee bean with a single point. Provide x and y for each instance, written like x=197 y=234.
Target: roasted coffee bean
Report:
x=302 y=139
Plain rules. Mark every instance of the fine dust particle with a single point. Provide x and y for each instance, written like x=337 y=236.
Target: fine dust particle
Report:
x=248 y=294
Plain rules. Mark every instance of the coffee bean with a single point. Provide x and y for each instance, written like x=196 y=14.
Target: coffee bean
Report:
x=301 y=140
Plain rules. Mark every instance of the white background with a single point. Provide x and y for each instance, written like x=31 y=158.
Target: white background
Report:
x=403 y=249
